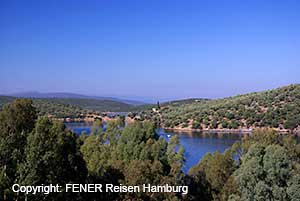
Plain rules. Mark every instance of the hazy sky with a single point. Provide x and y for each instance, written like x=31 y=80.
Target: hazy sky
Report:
x=160 y=49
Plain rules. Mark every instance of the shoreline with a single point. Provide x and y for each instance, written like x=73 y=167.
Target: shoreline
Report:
x=188 y=130
x=208 y=130
x=242 y=130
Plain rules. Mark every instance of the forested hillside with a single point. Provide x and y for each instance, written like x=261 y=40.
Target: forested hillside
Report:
x=48 y=107
x=73 y=107
x=37 y=151
x=278 y=108
x=93 y=104
x=185 y=101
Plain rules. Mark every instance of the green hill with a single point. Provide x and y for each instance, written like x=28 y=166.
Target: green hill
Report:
x=278 y=108
x=93 y=104
x=73 y=107
x=47 y=107
x=185 y=102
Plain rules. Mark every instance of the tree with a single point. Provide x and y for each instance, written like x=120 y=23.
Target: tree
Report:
x=97 y=126
x=264 y=136
x=139 y=172
x=133 y=155
x=122 y=120
x=196 y=125
x=293 y=188
x=214 y=124
x=224 y=124
x=211 y=173
x=52 y=157
x=264 y=173
x=16 y=122
x=292 y=122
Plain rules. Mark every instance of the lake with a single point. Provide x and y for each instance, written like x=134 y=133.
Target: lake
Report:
x=196 y=144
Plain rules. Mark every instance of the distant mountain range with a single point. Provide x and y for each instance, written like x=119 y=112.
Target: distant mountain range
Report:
x=32 y=94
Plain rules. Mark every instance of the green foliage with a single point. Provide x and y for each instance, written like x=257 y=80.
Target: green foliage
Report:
x=292 y=122
x=52 y=157
x=136 y=154
x=74 y=107
x=39 y=151
x=16 y=122
x=264 y=173
x=278 y=108
x=196 y=125
x=93 y=104
x=268 y=169
x=293 y=188
x=52 y=107
x=5 y=100
x=34 y=153
x=213 y=176
x=43 y=152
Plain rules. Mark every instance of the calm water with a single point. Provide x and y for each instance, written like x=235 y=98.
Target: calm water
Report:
x=196 y=144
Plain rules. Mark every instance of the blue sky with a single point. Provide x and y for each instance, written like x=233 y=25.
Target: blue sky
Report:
x=158 y=49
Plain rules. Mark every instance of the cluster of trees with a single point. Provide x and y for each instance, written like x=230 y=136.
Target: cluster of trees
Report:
x=278 y=108
x=57 y=110
x=264 y=166
x=133 y=156
x=35 y=150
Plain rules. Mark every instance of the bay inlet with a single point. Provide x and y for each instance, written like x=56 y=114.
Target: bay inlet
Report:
x=196 y=144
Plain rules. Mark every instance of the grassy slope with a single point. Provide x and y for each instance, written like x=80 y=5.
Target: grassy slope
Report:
x=278 y=108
